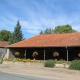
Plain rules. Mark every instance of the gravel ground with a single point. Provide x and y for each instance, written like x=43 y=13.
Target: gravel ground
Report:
x=37 y=69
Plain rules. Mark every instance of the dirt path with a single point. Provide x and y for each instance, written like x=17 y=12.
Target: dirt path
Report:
x=38 y=69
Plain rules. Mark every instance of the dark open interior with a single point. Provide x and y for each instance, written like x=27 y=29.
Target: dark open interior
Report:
x=72 y=52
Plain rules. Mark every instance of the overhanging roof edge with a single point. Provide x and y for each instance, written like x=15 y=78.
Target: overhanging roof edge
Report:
x=41 y=46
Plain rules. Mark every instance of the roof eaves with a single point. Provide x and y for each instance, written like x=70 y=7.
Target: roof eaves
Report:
x=42 y=46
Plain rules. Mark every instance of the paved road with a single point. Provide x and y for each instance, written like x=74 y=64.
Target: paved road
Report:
x=8 y=76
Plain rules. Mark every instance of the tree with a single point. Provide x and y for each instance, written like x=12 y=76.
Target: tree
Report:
x=64 y=29
x=16 y=35
x=5 y=35
x=47 y=31
x=59 y=29
x=41 y=32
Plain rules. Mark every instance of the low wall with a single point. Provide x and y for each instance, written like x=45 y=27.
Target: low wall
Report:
x=62 y=65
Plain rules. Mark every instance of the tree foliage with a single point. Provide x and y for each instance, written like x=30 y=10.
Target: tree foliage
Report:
x=59 y=29
x=41 y=32
x=63 y=29
x=16 y=35
x=5 y=35
x=47 y=31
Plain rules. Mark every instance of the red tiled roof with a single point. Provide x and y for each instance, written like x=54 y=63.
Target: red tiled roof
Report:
x=3 y=44
x=50 y=40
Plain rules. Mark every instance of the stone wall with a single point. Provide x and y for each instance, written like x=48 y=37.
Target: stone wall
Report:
x=2 y=52
x=11 y=53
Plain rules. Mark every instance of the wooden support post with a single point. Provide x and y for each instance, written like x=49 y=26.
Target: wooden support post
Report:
x=44 y=54
x=67 y=54
x=25 y=54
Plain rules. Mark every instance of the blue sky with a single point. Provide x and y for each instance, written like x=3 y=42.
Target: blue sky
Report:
x=37 y=15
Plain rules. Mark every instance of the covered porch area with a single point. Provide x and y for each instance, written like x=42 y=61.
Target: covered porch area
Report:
x=46 y=53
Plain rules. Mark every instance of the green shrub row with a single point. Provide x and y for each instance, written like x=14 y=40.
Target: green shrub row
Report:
x=75 y=64
x=49 y=63
x=1 y=61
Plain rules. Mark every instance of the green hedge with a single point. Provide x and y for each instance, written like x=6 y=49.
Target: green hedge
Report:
x=49 y=63
x=1 y=61
x=75 y=64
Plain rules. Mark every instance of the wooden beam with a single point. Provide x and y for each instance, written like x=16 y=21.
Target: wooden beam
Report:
x=25 y=53
x=67 y=53
x=44 y=54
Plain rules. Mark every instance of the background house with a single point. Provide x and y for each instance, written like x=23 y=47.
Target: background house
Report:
x=67 y=45
x=3 y=44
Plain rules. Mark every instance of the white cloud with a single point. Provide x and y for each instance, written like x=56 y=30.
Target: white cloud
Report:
x=35 y=16
x=8 y=21
x=33 y=31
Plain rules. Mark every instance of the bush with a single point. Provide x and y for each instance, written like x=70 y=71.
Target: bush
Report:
x=60 y=61
x=75 y=64
x=49 y=63
x=1 y=61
